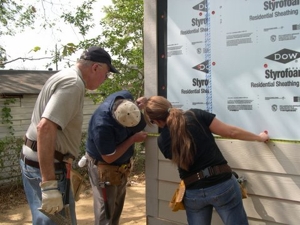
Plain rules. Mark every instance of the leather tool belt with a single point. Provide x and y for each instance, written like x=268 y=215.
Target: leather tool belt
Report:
x=57 y=155
x=57 y=166
x=207 y=172
x=33 y=145
x=77 y=184
x=111 y=173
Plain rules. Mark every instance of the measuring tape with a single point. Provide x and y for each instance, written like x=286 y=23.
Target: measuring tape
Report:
x=153 y=134
x=271 y=140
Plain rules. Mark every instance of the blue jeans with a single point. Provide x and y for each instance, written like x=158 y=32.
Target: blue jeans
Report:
x=31 y=179
x=225 y=197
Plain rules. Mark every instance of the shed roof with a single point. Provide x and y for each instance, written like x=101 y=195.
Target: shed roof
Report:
x=23 y=81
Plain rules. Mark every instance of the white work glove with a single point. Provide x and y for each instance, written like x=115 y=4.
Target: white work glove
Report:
x=51 y=197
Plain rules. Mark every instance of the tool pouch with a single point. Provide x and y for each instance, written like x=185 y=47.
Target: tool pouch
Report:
x=242 y=182
x=77 y=184
x=110 y=174
x=113 y=174
x=176 y=202
x=125 y=169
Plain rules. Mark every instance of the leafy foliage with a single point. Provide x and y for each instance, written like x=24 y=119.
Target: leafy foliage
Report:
x=20 y=15
x=10 y=148
x=122 y=36
x=82 y=17
x=6 y=117
x=14 y=17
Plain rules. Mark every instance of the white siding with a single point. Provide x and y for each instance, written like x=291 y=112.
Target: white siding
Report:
x=272 y=170
x=272 y=175
x=21 y=112
x=273 y=181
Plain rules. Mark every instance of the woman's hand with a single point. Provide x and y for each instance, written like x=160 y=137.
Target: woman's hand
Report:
x=264 y=136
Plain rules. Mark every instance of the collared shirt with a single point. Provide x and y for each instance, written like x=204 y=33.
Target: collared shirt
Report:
x=105 y=133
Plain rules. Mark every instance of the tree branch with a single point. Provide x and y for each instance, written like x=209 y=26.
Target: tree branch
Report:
x=21 y=58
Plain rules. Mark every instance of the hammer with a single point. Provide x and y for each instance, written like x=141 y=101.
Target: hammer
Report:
x=102 y=185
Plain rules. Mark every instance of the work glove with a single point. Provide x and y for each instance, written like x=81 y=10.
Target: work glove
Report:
x=51 y=197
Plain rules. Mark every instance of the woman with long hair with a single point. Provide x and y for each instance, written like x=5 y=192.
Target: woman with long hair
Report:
x=187 y=139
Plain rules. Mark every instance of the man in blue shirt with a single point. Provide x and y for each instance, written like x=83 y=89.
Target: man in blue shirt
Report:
x=113 y=129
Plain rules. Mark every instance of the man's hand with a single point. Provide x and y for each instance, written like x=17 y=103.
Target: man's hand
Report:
x=51 y=197
x=140 y=136
x=141 y=102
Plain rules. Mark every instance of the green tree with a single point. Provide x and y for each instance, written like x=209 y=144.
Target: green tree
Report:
x=122 y=36
x=18 y=15
x=14 y=17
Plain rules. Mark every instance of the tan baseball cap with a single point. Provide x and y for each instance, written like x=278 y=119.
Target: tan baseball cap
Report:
x=127 y=114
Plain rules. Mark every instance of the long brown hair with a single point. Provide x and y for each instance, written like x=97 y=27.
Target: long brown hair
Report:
x=183 y=152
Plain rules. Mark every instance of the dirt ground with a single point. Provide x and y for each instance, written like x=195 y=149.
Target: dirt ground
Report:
x=18 y=213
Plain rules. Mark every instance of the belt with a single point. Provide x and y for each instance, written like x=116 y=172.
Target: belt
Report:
x=95 y=161
x=57 y=166
x=33 y=145
x=98 y=162
x=207 y=172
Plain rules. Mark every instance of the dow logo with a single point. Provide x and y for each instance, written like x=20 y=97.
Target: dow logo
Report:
x=274 y=108
x=284 y=56
x=201 y=6
x=203 y=67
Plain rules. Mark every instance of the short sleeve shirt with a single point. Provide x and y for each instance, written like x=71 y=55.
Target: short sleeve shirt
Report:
x=105 y=133
x=61 y=101
x=207 y=151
